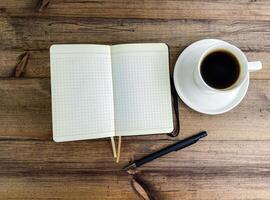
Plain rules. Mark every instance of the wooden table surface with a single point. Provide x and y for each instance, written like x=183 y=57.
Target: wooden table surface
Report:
x=233 y=162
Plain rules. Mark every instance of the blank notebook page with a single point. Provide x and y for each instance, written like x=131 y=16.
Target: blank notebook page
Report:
x=82 y=93
x=141 y=85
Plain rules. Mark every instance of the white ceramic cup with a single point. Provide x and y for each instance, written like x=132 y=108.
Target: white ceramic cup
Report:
x=206 y=49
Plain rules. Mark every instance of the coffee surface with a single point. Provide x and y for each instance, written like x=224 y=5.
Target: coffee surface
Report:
x=220 y=69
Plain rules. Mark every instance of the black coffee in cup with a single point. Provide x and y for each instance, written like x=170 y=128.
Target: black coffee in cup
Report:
x=220 y=69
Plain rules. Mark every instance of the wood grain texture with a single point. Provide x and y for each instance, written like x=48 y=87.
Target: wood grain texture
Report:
x=25 y=108
x=231 y=163
x=36 y=35
x=85 y=170
x=154 y=9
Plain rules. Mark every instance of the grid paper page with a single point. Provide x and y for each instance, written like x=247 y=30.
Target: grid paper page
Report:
x=82 y=93
x=141 y=85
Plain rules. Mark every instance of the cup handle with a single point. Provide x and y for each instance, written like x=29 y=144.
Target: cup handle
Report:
x=254 y=66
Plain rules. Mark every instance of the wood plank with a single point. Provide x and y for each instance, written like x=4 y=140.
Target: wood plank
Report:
x=95 y=156
x=90 y=187
x=32 y=33
x=25 y=108
x=36 y=35
x=100 y=186
x=151 y=9
x=8 y=61
x=208 y=170
x=38 y=65
x=25 y=112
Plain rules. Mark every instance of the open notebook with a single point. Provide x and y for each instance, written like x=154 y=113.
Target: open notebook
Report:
x=102 y=91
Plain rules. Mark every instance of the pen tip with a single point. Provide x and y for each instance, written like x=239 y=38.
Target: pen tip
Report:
x=131 y=166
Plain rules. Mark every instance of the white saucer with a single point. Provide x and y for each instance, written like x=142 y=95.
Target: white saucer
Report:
x=195 y=97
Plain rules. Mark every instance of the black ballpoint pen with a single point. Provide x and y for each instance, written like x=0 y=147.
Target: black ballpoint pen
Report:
x=174 y=147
